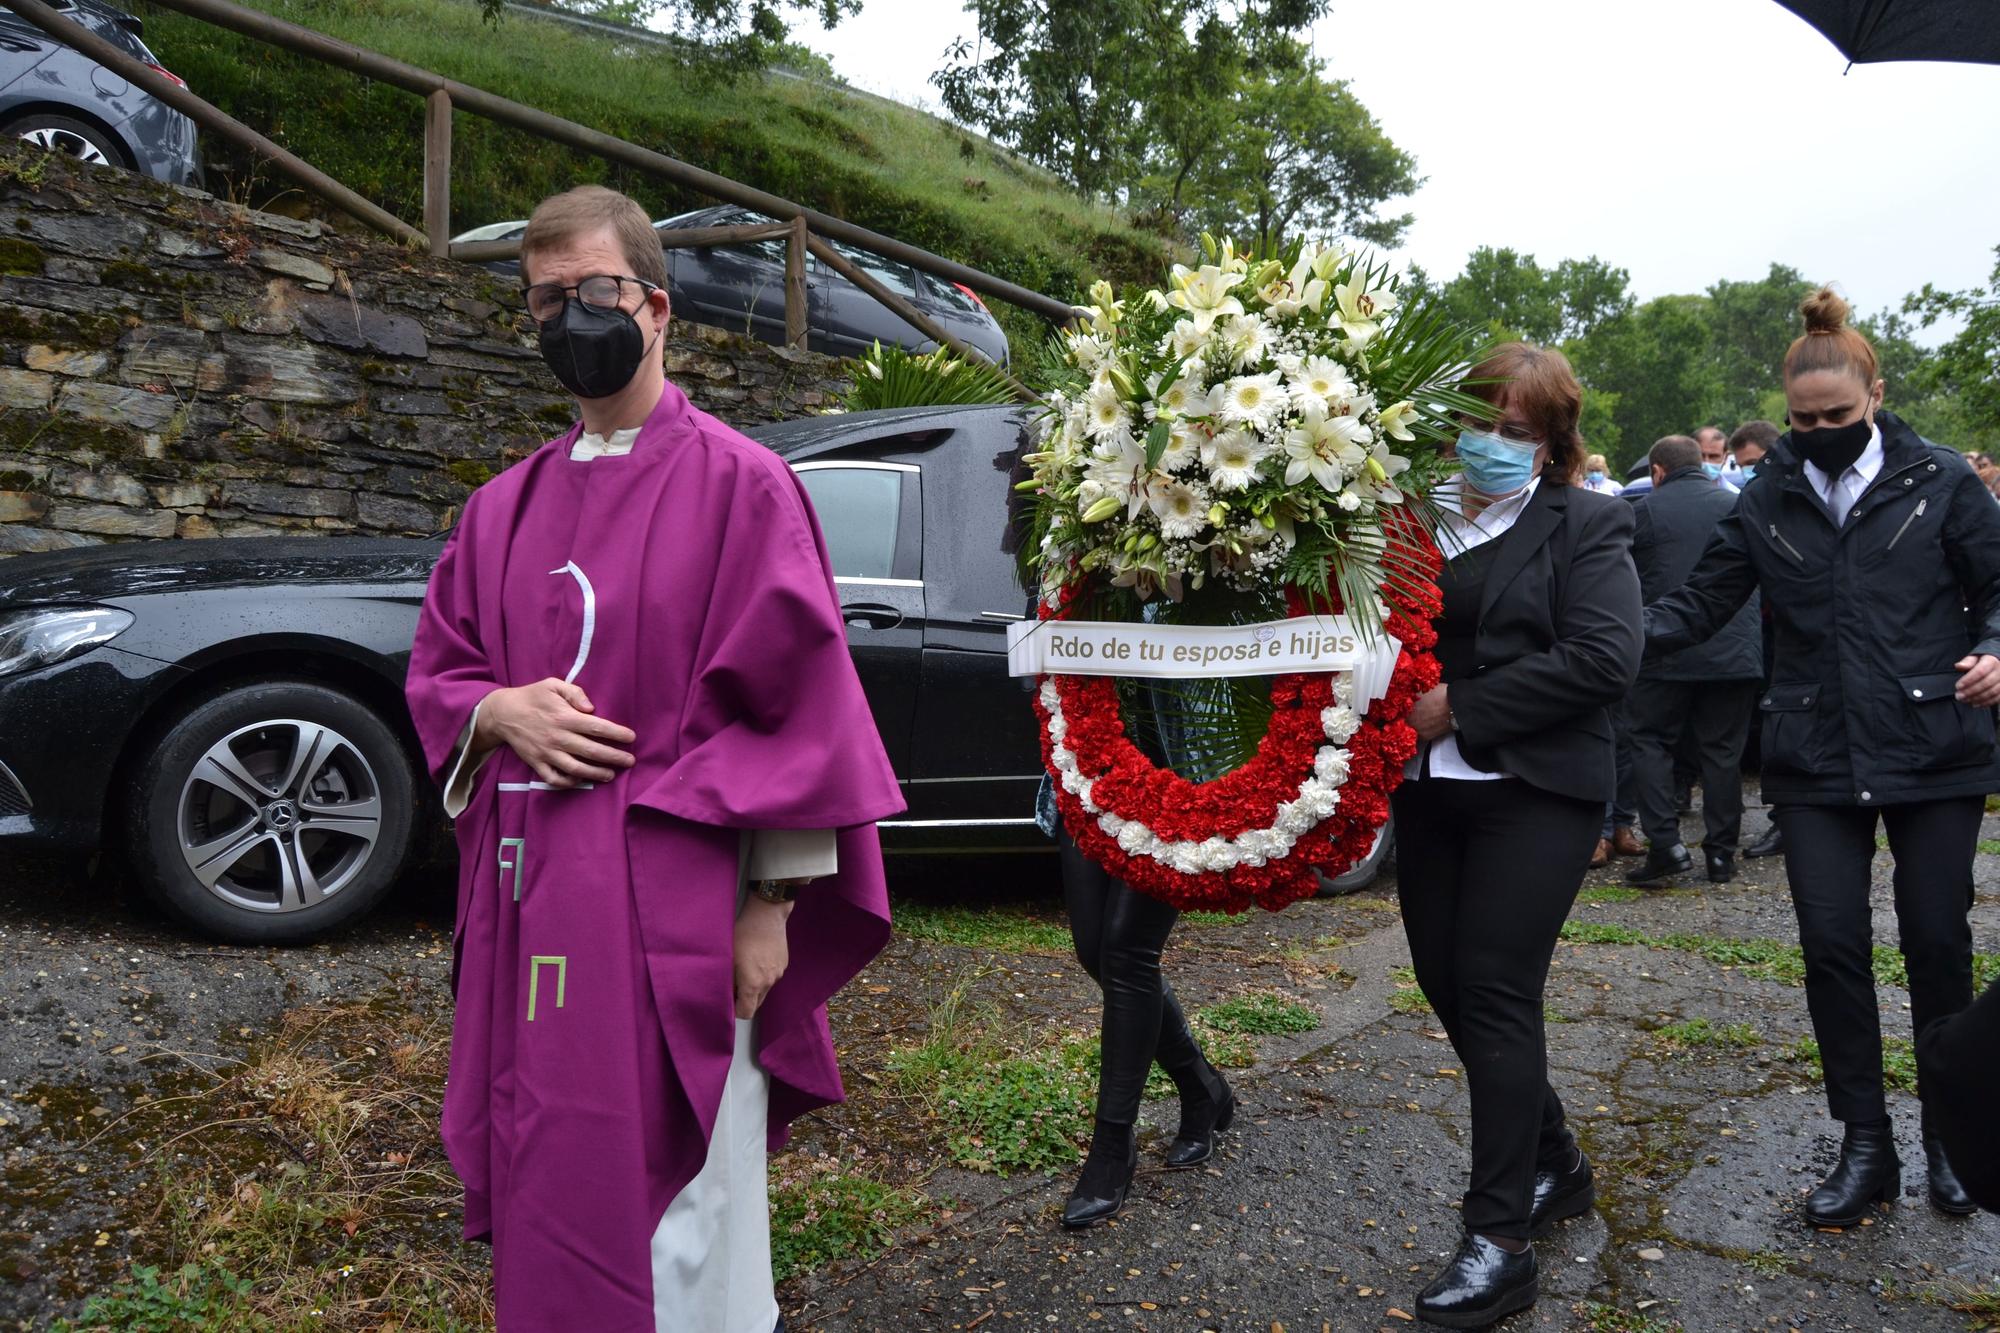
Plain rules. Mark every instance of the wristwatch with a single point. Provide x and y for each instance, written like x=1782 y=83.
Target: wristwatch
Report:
x=779 y=890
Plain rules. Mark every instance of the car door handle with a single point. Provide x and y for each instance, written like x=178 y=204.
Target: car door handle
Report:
x=1005 y=617
x=869 y=615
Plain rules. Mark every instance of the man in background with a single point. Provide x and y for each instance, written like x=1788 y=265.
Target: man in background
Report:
x=1715 y=459
x=1707 y=688
x=1748 y=444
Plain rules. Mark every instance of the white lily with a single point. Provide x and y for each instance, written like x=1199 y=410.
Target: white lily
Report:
x=1204 y=294
x=1381 y=470
x=1362 y=308
x=1395 y=419
x=1123 y=473
x=1326 y=449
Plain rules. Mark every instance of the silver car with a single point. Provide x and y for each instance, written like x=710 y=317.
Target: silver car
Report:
x=64 y=101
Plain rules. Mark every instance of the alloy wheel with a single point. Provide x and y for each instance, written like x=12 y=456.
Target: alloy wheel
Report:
x=279 y=816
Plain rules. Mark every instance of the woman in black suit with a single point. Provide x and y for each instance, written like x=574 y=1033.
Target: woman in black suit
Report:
x=1499 y=811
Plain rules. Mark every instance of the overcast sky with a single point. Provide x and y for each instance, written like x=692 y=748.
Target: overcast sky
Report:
x=1683 y=140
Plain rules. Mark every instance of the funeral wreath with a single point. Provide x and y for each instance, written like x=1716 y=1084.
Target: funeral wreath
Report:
x=1251 y=443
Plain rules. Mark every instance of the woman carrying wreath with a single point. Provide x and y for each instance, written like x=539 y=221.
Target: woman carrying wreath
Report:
x=1499 y=810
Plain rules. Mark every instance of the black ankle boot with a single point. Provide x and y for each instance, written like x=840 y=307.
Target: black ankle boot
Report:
x=1947 y=1194
x=1107 y=1176
x=1560 y=1194
x=1207 y=1109
x=1868 y=1171
x=1482 y=1284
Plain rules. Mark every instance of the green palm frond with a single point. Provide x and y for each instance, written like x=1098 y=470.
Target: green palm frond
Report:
x=1204 y=729
x=895 y=377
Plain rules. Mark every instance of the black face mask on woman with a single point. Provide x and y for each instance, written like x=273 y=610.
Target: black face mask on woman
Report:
x=1833 y=449
x=592 y=351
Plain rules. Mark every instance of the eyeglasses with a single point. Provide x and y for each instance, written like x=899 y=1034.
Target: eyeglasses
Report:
x=1514 y=432
x=600 y=290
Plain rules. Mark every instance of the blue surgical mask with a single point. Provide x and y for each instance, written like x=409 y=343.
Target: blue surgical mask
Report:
x=1595 y=477
x=1494 y=464
x=1748 y=471
x=1713 y=470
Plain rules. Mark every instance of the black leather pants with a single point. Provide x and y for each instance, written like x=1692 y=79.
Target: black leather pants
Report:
x=1119 y=934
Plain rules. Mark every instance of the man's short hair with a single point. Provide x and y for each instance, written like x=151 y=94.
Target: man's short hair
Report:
x=1763 y=434
x=1700 y=431
x=562 y=218
x=1674 y=452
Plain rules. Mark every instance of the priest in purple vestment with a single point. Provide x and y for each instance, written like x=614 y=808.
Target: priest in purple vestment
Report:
x=631 y=679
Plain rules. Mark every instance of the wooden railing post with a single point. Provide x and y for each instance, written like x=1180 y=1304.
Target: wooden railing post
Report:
x=795 y=284
x=437 y=172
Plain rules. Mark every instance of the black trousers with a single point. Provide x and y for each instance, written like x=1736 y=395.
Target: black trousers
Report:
x=1119 y=934
x=1828 y=849
x=1659 y=711
x=1958 y=1063
x=1488 y=872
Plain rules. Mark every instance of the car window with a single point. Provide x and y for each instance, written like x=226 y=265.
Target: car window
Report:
x=896 y=277
x=859 y=509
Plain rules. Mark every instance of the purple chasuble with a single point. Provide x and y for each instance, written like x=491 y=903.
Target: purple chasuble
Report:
x=685 y=587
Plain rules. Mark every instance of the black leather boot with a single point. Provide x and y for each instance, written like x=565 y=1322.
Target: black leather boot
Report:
x=1947 y=1194
x=1868 y=1172
x=1101 y=1190
x=1482 y=1284
x=1561 y=1194
x=1662 y=864
x=1207 y=1109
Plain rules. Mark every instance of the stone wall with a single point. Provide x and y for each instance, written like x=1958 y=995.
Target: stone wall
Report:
x=175 y=366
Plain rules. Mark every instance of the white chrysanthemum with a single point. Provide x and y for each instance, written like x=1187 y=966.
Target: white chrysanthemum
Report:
x=1232 y=458
x=1246 y=338
x=1184 y=442
x=1318 y=382
x=1182 y=510
x=1089 y=350
x=1256 y=401
x=1104 y=413
x=1187 y=339
x=1183 y=398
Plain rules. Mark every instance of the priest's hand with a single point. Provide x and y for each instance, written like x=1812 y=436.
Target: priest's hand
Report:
x=551 y=726
x=761 y=952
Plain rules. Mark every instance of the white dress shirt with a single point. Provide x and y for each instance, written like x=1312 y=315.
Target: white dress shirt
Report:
x=1457 y=535
x=1842 y=491
x=773 y=853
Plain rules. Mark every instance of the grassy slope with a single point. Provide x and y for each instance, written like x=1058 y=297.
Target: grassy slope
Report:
x=891 y=168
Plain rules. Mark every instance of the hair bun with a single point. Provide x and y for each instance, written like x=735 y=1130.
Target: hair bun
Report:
x=1826 y=311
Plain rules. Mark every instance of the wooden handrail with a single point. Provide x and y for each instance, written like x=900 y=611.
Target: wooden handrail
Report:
x=142 y=75
x=374 y=65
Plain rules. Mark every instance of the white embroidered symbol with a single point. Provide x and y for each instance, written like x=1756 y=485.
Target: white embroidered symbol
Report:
x=589 y=617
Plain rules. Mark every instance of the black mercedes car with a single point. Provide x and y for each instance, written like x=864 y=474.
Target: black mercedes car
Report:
x=228 y=715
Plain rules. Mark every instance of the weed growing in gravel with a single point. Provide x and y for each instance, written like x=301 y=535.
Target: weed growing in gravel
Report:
x=198 y=1299
x=1699 y=1032
x=1768 y=959
x=1263 y=1013
x=1208 y=919
x=1610 y=893
x=1007 y=1098
x=1611 y=1319
x=820 y=1214
x=1989 y=847
x=1408 y=997
x=1000 y=930
x=1899 y=1062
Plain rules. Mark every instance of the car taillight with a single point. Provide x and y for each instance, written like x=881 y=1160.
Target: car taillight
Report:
x=969 y=292
x=166 y=73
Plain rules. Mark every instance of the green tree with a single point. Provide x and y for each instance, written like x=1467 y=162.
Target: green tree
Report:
x=1750 y=325
x=1515 y=297
x=1960 y=381
x=1300 y=153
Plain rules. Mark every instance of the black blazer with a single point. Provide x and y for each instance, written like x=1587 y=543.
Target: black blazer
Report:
x=1558 y=643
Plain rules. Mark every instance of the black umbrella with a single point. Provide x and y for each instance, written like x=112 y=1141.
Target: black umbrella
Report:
x=1869 y=31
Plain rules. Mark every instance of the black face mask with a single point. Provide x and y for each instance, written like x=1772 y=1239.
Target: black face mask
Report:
x=593 y=352
x=1832 y=449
